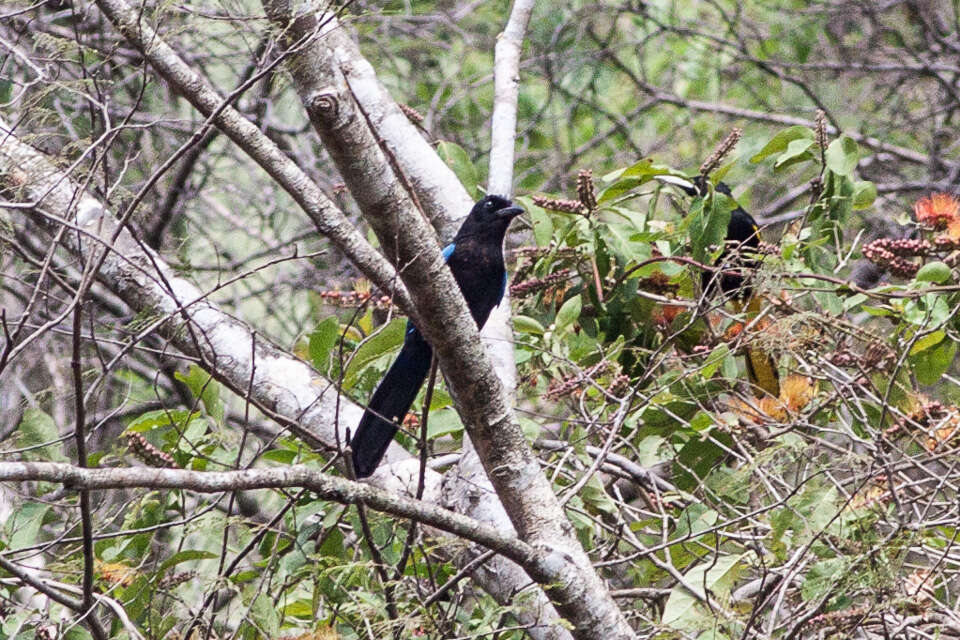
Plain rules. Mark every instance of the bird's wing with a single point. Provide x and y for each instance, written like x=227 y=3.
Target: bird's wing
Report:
x=447 y=252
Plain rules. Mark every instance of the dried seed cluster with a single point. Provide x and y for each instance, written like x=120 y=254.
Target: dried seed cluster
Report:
x=559 y=204
x=148 y=453
x=721 y=152
x=535 y=285
x=354 y=299
x=573 y=385
x=586 y=191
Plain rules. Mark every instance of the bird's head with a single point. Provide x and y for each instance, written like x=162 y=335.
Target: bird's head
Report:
x=489 y=217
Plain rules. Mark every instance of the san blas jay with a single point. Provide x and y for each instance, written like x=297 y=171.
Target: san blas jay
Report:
x=743 y=235
x=476 y=259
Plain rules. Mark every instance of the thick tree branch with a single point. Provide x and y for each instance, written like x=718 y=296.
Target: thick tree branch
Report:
x=441 y=315
x=281 y=386
x=439 y=193
x=445 y=201
x=328 y=219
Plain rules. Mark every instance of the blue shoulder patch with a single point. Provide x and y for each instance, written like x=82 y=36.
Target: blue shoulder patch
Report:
x=448 y=251
x=503 y=287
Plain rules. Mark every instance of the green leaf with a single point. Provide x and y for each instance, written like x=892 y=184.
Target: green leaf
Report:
x=927 y=341
x=864 y=193
x=282 y=456
x=779 y=142
x=387 y=339
x=459 y=161
x=203 y=386
x=682 y=608
x=714 y=360
x=542 y=225
x=936 y=272
x=443 y=422
x=161 y=418
x=23 y=525
x=820 y=578
x=322 y=340
x=708 y=223
x=185 y=556
x=842 y=155
x=595 y=498
x=929 y=365
x=37 y=429
x=796 y=151
x=526 y=324
x=568 y=314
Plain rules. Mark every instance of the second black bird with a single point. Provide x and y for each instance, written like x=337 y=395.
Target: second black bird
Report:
x=476 y=259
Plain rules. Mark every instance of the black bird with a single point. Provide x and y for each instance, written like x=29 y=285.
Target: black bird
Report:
x=743 y=235
x=476 y=259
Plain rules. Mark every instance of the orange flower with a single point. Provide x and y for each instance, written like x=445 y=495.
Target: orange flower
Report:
x=937 y=209
x=796 y=392
x=953 y=229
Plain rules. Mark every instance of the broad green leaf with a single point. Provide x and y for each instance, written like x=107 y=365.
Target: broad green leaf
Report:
x=595 y=498
x=779 y=142
x=842 y=155
x=185 y=556
x=443 y=422
x=541 y=220
x=384 y=341
x=708 y=224
x=568 y=314
x=820 y=578
x=864 y=193
x=716 y=576
x=322 y=340
x=161 y=418
x=37 y=429
x=797 y=151
x=526 y=324
x=714 y=360
x=927 y=341
x=23 y=525
x=936 y=272
x=203 y=386
x=929 y=365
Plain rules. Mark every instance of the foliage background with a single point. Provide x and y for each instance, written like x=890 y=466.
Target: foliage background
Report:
x=831 y=511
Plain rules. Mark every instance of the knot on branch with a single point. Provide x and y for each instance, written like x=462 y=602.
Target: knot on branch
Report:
x=324 y=104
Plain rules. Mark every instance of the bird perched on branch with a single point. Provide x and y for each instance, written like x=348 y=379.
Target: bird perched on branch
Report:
x=743 y=235
x=476 y=259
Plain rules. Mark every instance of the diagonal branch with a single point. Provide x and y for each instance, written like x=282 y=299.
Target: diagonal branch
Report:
x=441 y=314
x=284 y=388
x=328 y=219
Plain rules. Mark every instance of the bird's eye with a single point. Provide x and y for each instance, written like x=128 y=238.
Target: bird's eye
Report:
x=489 y=204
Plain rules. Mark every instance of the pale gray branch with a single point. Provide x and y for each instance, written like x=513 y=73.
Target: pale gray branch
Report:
x=506 y=85
x=441 y=315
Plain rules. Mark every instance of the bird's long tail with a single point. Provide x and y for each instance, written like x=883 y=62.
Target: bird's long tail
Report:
x=761 y=368
x=389 y=405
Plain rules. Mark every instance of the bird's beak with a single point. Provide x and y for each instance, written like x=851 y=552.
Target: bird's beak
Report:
x=509 y=212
